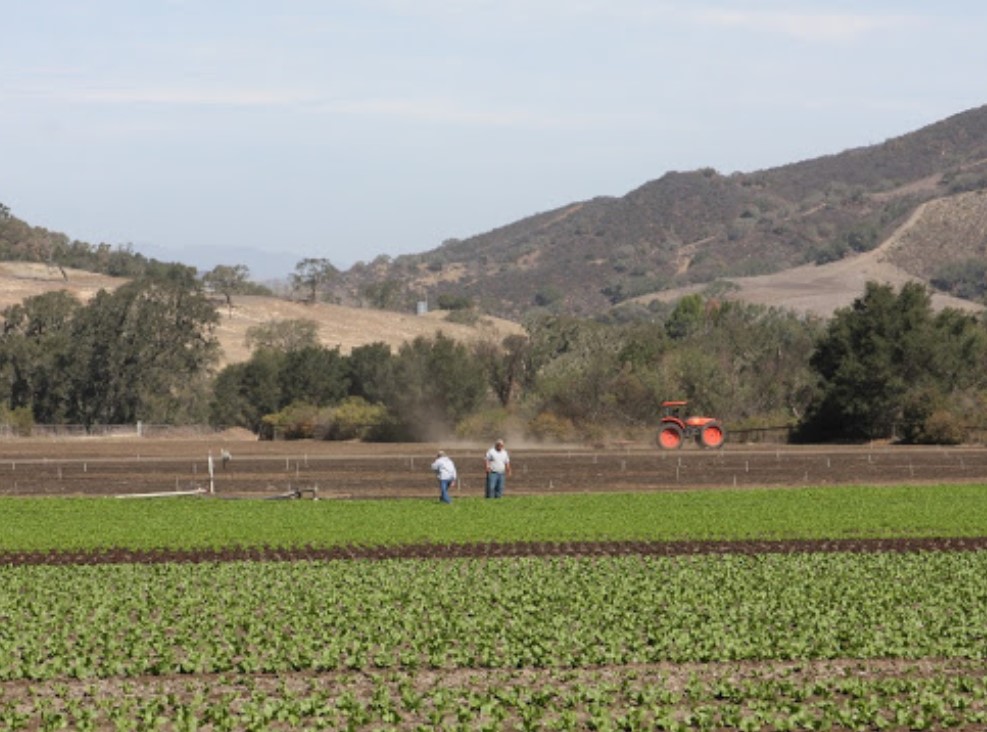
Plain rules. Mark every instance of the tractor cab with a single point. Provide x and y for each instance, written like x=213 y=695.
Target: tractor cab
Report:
x=675 y=409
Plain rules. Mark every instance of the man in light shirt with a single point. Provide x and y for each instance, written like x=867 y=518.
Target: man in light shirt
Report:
x=498 y=467
x=445 y=470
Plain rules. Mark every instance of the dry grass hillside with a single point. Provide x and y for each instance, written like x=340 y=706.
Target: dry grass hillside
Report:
x=953 y=228
x=821 y=289
x=348 y=327
x=20 y=280
x=338 y=326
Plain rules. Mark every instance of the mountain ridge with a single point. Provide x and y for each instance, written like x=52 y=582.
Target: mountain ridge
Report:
x=807 y=225
x=697 y=227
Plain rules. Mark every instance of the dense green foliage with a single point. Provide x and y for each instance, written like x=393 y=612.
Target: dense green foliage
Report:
x=725 y=697
x=142 y=352
x=428 y=386
x=565 y=612
x=511 y=643
x=20 y=242
x=887 y=511
x=705 y=642
x=517 y=613
x=889 y=365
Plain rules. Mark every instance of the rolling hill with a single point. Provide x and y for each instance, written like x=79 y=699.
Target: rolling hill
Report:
x=821 y=289
x=338 y=325
x=807 y=236
x=917 y=199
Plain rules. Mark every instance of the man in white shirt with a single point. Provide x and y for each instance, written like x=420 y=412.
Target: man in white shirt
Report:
x=445 y=470
x=498 y=465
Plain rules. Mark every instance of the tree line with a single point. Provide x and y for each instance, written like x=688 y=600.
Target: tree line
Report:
x=888 y=366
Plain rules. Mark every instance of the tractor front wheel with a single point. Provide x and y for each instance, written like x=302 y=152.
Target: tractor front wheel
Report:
x=712 y=435
x=670 y=437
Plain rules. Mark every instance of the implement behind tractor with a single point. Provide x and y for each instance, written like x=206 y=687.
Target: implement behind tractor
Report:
x=676 y=427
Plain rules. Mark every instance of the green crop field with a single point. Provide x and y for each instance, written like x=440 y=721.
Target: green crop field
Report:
x=793 y=641
x=33 y=524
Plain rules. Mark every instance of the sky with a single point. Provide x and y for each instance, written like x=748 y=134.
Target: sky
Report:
x=261 y=133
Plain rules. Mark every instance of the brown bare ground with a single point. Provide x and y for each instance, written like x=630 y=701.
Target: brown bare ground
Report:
x=821 y=289
x=124 y=465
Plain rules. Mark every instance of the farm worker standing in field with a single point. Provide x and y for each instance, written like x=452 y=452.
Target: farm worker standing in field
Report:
x=498 y=464
x=445 y=469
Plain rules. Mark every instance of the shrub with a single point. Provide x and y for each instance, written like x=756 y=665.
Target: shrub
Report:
x=548 y=426
x=355 y=419
x=941 y=427
x=21 y=421
x=454 y=302
x=485 y=424
x=297 y=421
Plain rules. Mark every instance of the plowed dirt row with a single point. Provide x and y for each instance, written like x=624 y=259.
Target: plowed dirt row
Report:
x=345 y=470
x=488 y=550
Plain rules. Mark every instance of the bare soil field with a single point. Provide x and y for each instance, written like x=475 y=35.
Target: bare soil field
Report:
x=349 y=470
x=118 y=466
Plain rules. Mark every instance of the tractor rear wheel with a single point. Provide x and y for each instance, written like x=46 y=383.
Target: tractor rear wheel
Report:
x=712 y=435
x=670 y=437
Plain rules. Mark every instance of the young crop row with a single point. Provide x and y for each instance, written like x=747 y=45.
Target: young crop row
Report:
x=613 y=699
x=130 y=620
x=468 y=621
x=79 y=524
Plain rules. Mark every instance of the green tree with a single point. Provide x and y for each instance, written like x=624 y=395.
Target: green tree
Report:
x=314 y=375
x=371 y=371
x=507 y=366
x=743 y=363
x=243 y=393
x=144 y=351
x=687 y=318
x=314 y=276
x=34 y=354
x=888 y=354
x=587 y=383
x=388 y=294
x=228 y=281
x=448 y=301
x=436 y=383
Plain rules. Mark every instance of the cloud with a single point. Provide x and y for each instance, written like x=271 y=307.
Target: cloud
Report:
x=824 y=27
x=447 y=111
x=435 y=110
x=192 y=97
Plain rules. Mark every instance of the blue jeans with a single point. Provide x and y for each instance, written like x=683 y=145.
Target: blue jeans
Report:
x=444 y=491
x=495 y=485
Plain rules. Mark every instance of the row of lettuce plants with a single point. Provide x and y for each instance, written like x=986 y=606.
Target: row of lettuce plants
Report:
x=877 y=511
x=611 y=699
x=498 y=622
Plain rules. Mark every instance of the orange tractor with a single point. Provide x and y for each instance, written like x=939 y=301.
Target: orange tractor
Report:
x=675 y=428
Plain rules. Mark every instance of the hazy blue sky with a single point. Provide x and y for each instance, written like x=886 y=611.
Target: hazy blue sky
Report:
x=211 y=131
